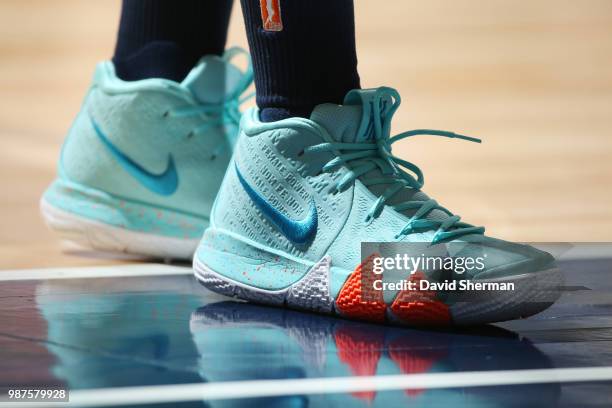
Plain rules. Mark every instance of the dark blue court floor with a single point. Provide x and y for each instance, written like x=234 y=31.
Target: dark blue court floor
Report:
x=154 y=330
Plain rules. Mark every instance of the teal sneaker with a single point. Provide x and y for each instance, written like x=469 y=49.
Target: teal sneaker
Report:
x=143 y=160
x=300 y=197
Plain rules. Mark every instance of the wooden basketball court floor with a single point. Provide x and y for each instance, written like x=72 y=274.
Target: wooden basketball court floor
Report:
x=533 y=79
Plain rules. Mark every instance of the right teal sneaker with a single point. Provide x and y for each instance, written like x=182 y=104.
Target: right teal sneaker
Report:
x=301 y=196
x=143 y=160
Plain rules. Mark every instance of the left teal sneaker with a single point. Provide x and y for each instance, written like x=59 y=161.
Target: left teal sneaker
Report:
x=301 y=196
x=143 y=160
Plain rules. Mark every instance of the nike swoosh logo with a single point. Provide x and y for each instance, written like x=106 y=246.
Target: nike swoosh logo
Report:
x=297 y=231
x=164 y=183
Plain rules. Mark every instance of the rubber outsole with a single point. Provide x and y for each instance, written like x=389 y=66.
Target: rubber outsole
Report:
x=108 y=238
x=533 y=293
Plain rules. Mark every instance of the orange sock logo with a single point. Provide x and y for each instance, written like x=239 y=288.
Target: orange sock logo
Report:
x=271 y=15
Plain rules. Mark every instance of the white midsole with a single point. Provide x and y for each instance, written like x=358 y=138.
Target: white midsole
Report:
x=105 y=237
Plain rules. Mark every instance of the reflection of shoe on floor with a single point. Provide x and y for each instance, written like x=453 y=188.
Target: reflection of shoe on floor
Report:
x=239 y=341
x=276 y=344
x=360 y=351
x=300 y=197
x=118 y=332
x=143 y=161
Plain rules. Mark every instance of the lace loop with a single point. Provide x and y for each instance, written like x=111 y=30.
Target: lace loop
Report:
x=376 y=153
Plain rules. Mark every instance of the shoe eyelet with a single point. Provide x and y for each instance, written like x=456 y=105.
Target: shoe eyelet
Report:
x=190 y=135
x=301 y=153
x=213 y=157
x=165 y=114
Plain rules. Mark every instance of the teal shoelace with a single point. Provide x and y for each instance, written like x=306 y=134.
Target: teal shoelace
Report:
x=223 y=114
x=362 y=158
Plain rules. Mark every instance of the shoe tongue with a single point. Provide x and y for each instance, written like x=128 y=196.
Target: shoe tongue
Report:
x=213 y=80
x=350 y=122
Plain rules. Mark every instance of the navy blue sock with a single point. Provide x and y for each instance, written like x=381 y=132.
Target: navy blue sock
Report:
x=165 y=38
x=303 y=54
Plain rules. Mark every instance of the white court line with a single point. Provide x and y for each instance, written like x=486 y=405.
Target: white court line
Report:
x=275 y=388
x=94 y=272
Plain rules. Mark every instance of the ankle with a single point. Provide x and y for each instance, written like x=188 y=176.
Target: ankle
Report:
x=273 y=114
x=156 y=59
